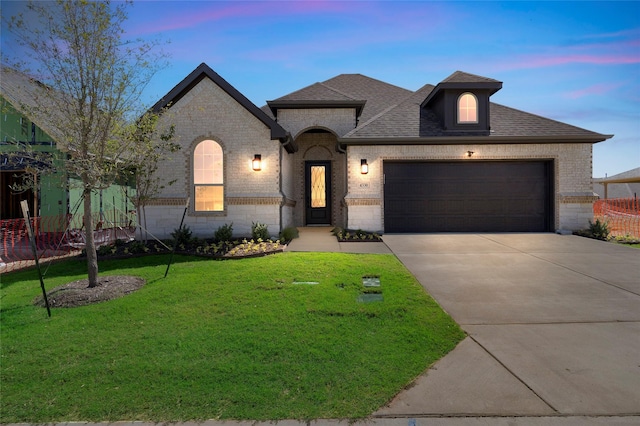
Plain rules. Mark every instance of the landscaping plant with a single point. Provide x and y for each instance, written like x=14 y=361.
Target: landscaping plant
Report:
x=599 y=230
x=259 y=231
x=224 y=233
x=182 y=236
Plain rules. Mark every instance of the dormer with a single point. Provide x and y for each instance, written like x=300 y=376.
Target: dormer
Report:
x=461 y=103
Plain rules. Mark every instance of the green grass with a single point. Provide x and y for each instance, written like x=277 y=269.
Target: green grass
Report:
x=219 y=339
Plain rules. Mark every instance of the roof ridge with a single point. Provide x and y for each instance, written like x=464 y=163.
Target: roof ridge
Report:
x=203 y=71
x=333 y=89
x=371 y=120
x=411 y=97
x=480 y=77
x=370 y=78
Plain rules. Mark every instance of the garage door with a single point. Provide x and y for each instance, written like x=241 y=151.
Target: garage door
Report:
x=500 y=196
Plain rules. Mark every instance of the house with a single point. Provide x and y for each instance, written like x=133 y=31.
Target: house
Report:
x=29 y=148
x=359 y=153
x=622 y=185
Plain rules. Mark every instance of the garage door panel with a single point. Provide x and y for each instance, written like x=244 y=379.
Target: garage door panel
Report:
x=511 y=196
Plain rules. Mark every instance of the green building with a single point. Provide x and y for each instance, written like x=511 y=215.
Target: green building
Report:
x=29 y=153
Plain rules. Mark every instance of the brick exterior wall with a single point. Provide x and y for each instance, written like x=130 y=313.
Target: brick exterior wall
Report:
x=276 y=194
x=572 y=163
x=288 y=192
x=207 y=112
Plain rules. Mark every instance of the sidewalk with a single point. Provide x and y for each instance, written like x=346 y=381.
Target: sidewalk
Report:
x=400 y=421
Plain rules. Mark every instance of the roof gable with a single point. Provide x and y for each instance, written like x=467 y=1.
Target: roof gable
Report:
x=465 y=77
x=315 y=92
x=465 y=81
x=373 y=96
x=22 y=92
x=204 y=71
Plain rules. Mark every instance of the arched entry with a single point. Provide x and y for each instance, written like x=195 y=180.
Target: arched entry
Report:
x=321 y=183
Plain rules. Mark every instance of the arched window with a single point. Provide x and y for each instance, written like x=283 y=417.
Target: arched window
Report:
x=208 y=177
x=467 y=108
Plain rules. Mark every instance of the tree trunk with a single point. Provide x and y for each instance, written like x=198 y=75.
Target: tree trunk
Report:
x=90 y=245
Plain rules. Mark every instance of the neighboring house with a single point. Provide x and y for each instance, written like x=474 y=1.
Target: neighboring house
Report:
x=359 y=153
x=622 y=185
x=28 y=146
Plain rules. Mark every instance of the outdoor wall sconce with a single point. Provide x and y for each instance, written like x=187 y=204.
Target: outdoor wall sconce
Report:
x=469 y=154
x=256 y=164
x=364 y=167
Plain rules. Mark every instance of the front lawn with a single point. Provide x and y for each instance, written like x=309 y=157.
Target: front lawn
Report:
x=238 y=339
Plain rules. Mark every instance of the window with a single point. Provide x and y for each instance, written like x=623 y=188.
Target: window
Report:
x=208 y=177
x=318 y=187
x=467 y=108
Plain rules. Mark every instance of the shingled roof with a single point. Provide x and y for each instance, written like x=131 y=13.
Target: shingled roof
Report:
x=25 y=95
x=392 y=114
x=466 y=78
x=374 y=95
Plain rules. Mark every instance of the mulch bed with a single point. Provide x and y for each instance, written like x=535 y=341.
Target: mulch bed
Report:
x=78 y=293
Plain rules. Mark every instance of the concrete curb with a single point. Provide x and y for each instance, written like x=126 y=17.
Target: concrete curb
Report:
x=398 y=421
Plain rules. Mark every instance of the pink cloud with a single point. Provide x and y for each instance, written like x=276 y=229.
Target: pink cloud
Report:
x=596 y=89
x=541 y=61
x=618 y=52
x=216 y=12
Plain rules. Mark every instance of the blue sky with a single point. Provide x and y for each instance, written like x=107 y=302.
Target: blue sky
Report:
x=576 y=62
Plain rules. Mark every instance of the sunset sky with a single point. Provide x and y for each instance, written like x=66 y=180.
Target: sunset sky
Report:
x=576 y=62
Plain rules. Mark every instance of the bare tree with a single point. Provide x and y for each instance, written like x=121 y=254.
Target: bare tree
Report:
x=93 y=80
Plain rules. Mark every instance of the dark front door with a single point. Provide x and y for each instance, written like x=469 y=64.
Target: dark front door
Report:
x=318 y=192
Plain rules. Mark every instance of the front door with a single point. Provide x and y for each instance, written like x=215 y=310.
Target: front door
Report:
x=318 y=192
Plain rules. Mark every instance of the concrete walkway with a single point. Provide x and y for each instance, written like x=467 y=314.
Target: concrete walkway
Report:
x=320 y=239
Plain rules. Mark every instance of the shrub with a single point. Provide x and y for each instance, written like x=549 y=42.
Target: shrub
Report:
x=288 y=234
x=105 y=250
x=181 y=236
x=224 y=233
x=138 y=247
x=599 y=230
x=259 y=231
x=357 y=235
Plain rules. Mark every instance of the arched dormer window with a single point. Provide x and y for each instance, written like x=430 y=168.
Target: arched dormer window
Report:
x=467 y=108
x=208 y=177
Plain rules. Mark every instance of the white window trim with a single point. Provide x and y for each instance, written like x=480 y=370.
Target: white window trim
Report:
x=458 y=109
x=193 y=185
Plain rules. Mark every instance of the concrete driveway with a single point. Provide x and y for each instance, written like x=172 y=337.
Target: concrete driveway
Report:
x=553 y=324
